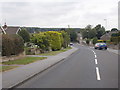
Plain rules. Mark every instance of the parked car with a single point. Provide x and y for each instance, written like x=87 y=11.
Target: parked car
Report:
x=71 y=44
x=100 y=46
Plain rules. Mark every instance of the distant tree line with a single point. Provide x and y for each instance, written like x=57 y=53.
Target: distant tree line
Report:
x=94 y=33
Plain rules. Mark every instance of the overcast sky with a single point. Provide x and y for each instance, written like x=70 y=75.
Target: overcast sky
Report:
x=59 y=13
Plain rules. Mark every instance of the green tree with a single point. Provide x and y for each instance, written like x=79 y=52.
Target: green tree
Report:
x=24 y=34
x=72 y=33
x=66 y=39
x=100 y=30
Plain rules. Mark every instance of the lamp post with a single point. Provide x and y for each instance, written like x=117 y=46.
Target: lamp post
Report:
x=105 y=23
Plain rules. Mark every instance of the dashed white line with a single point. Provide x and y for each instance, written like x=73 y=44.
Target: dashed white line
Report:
x=97 y=69
x=94 y=52
x=98 y=73
x=95 y=56
x=96 y=62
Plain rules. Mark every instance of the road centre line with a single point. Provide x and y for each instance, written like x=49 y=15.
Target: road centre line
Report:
x=98 y=74
x=93 y=52
x=97 y=69
x=95 y=56
x=96 y=62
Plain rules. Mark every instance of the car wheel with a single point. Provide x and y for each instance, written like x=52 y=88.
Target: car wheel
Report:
x=105 y=48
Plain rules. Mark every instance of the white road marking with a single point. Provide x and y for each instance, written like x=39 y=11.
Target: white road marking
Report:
x=98 y=74
x=96 y=62
x=95 y=56
x=93 y=51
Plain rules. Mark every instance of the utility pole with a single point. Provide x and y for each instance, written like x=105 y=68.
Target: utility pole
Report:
x=68 y=26
x=105 y=28
x=105 y=23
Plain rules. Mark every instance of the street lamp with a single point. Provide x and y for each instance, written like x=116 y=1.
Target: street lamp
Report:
x=105 y=23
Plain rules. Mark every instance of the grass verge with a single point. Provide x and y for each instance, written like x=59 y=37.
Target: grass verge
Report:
x=54 y=52
x=5 y=68
x=24 y=61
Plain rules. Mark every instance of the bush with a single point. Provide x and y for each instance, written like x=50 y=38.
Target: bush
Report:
x=87 y=41
x=55 y=40
x=66 y=39
x=24 y=34
x=94 y=41
x=12 y=45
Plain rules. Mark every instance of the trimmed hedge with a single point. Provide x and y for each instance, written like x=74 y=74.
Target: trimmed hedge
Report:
x=12 y=45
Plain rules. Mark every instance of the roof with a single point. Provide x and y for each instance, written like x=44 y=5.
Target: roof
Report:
x=107 y=36
x=12 y=30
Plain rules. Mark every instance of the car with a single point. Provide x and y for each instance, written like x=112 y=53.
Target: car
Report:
x=71 y=44
x=101 y=46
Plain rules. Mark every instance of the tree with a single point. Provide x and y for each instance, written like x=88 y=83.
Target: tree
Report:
x=100 y=30
x=66 y=39
x=24 y=34
x=49 y=39
x=72 y=33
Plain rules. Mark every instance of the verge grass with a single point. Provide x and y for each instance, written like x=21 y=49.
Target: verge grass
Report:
x=51 y=53
x=6 y=68
x=23 y=61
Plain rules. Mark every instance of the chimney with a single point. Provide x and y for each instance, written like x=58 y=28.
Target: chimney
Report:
x=5 y=26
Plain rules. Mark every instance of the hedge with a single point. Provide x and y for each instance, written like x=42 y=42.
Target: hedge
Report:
x=12 y=45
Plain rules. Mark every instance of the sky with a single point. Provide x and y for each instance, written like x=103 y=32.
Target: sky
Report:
x=59 y=13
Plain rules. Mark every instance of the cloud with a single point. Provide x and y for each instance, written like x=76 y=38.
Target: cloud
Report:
x=60 y=13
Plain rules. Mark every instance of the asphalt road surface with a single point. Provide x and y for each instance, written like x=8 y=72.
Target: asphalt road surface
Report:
x=86 y=68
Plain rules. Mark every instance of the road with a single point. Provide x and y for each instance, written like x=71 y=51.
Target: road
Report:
x=86 y=68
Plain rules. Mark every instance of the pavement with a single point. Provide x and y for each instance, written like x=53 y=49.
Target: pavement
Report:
x=86 y=68
x=114 y=51
x=19 y=75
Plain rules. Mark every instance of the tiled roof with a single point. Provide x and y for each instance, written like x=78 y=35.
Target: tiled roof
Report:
x=12 y=30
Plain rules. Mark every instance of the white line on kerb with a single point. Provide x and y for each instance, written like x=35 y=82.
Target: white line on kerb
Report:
x=98 y=74
x=96 y=62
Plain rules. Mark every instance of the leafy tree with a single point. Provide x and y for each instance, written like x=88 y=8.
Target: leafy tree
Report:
x=24 y=34
x=100 y=30
x=66 y=39
x=72 y=33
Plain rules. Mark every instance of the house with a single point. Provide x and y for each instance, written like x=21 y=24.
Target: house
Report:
x=107 y=36
x=9 y=29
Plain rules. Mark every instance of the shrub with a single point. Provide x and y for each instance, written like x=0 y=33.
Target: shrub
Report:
x=87 y=41
x=55 y=40
x=24 y=34
x=66 y=39
x=94 y=41
x=12 y=45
